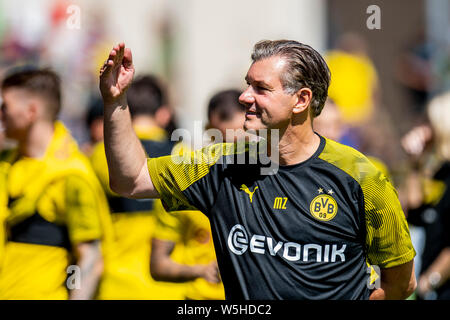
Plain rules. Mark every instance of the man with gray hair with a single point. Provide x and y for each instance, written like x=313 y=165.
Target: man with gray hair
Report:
x=308 y=230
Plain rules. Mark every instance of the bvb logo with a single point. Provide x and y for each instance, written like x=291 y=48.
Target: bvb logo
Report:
x=323 y=207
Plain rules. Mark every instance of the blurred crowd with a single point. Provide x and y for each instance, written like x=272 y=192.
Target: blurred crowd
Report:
x=54 y=174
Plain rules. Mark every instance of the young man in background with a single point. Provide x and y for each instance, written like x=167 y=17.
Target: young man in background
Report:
x=57 y=214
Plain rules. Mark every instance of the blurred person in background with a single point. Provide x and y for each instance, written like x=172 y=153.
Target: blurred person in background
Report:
x=355 y=91
x=429 y=196
x=354 y=82
x=226 y=113
x=191 y=228
x=57 y=211
x=330 y=124
x=134 y=220
x=414 y=71
x=94 y=122
x=3 y=196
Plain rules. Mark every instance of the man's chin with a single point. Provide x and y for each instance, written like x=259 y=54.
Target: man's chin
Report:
x=252 y=126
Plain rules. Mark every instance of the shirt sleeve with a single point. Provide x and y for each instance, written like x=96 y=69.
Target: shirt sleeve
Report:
x=82 y=207
x=190 y=181
x=388 y=241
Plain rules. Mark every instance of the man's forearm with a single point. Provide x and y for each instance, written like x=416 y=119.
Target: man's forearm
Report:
x=171 y=271
x=397 y=283
x=389 y=292
x=124 y=152
x=436 y=275
x=91 y=269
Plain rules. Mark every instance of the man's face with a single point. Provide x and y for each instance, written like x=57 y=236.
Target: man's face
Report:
x=16 y=115
x=268 y=106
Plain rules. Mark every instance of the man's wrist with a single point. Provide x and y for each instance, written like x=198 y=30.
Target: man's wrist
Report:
x=434 y=279
x=120 y=101
x=197 y=271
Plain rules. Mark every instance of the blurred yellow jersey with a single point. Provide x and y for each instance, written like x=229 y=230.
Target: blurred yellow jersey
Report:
x=4 y=167
x=192 y=230
x=54 y=203
x=134 y=223
x=353 y=80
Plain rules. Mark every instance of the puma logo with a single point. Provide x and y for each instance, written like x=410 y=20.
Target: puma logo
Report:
x=247 y=190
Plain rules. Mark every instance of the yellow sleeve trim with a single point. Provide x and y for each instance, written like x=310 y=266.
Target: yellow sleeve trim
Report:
x=153 y=172
x=396 y=261
x=171 y=175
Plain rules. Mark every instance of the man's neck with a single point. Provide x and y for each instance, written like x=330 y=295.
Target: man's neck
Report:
x=297 y=144
x=37 y=140
x=143 y=121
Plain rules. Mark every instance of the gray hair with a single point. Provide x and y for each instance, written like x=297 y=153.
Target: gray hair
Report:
x=305 y=69
x=438 y=111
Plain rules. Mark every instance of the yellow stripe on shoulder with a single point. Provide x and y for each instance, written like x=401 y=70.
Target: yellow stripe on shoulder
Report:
x=172 y=175
x=351 y=161
x=190 y=166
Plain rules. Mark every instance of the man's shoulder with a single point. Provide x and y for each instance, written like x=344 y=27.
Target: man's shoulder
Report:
x=349 y=160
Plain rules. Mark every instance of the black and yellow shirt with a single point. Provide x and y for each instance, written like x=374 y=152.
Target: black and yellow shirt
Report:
x=134 y=223
x=4 y=167
x=54 y=203
x=306 y=232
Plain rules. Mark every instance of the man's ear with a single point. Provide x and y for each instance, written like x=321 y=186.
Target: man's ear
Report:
x=163 y=116
x=33 y=110
x=303 y=96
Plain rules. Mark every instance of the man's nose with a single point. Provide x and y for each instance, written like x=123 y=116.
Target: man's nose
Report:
x=246 y=98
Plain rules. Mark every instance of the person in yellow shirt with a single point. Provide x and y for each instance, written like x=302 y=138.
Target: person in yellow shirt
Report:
x=57 y=220
x=134 y=220
x=354 y=80
x=191 y=229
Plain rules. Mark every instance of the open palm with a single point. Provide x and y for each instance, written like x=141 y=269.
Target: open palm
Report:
x=116 y=74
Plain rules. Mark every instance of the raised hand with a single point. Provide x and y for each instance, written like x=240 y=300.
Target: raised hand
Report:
x=116 y=74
